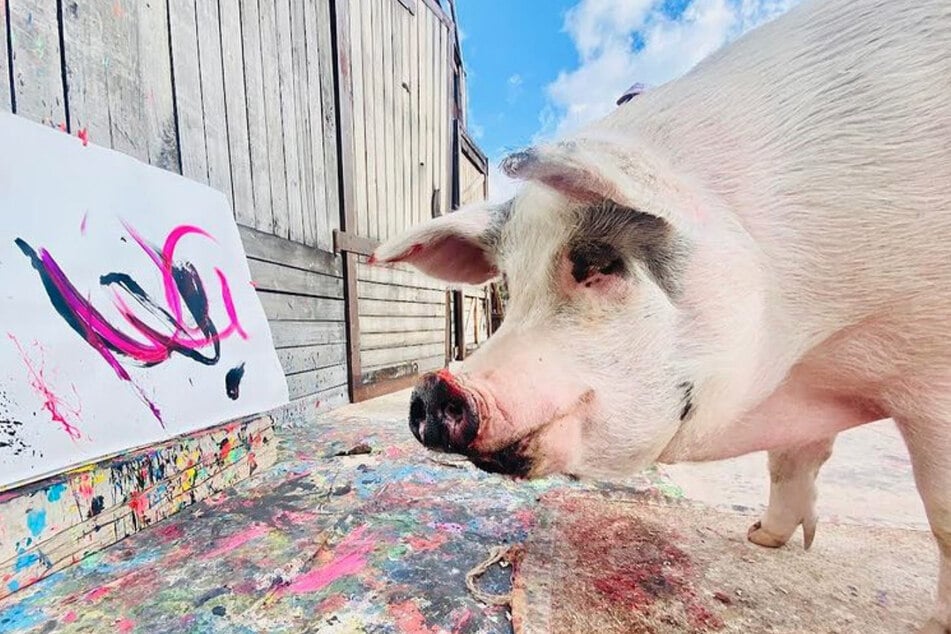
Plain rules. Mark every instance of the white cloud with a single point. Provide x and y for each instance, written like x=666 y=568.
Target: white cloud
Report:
x=501 y=187
x=620 y=42
x=514 y=88
x=477 y=131
x=515 y=80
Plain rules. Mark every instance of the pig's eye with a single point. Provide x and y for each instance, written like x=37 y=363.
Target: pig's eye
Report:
x=590 y=259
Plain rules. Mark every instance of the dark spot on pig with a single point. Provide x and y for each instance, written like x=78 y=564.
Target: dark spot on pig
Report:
x=509 y=461
x=636 y=236
x=687 y=410
x=590 y=258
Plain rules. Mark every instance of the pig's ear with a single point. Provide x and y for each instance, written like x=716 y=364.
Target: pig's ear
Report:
x=456 y=248
x=592 y=170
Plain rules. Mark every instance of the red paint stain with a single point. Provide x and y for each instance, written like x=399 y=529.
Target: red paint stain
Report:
x=70 y=617
x=94 y=595
x=139 y=502
x=83 y=135
x=348 y=558
x=333 y=604
x=409 y=619
x=62 y=126
x=56 y=406
x=125 y=625
x=635 y=567
x=169 y=533
x=423 y=544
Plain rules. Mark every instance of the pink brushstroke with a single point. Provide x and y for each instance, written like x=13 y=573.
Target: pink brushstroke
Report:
x=57 y=407
x=98 y=593
x=238 y=540
x=82 y=225
x=350 y=557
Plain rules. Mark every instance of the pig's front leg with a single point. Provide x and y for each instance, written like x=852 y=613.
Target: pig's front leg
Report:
x=792 y=494
x=929 y=446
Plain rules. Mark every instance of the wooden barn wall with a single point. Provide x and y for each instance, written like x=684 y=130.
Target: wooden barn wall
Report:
x=237 y=94
x=402 y=100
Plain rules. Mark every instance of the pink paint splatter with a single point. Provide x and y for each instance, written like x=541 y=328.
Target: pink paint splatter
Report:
x=83 y=135
x=94 y=595
x=125 y=625
x=423 y=544
x=350 y=557
x=62 y=126
x=171 y=532
x=70 y=617
x=409 y=619
x=58 y=408
x=236 y=541
x=82 y=224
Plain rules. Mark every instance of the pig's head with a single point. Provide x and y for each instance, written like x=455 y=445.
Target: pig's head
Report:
x=621 y=311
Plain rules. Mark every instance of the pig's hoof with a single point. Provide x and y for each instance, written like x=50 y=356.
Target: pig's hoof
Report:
x=771 y=539
x=762 y=537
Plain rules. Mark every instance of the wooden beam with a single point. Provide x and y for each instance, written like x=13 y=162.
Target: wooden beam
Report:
x=345 y=242
x=438 y=12
x=366 y=392
x=468 y=147
x=343 y=90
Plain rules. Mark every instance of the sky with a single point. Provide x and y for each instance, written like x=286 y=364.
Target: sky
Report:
x=539 y=69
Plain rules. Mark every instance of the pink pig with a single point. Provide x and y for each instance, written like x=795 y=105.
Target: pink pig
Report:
x=754 y=257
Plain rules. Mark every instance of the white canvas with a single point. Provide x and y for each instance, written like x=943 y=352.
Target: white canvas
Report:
x=137 y=367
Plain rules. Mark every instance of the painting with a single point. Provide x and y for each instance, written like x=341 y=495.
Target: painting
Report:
x=127 y=311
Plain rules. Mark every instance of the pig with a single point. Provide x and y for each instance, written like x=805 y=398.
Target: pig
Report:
x=753 y=257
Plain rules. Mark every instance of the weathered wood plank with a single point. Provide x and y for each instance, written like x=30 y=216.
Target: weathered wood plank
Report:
x=382 y=308
x=280 y=306
x=325 y=51
x=379 y=116
x=301 y=97
x=263 y=246
x=313 y=107
x=257 y=116
x=371 y=107
x=292 y=159
x=406 y=111
x=213 y=97
x=400 y=324
x=302 y=411
x=400 y=275
x=236 y=109
x=274 y=277
x=274 y=118
x=414 y=118
x=307 y=383
x=394 y=355
x=428 y=159
x=443 y=142
x=379 y=340
x=37 y=68
x=307 y=358
x=6 y=91
x=294 y=334
x=155 y=69
x=84 y=35
x=188 y=107
x=394 y=293
x=125 y=87
x=389 y=123
x=360 y=161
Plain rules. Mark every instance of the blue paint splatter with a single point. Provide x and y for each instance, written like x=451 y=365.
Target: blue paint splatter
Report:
x=55 y=492
x=36 y=521
x=25 y=560
x=13 y=586
x=18 y=616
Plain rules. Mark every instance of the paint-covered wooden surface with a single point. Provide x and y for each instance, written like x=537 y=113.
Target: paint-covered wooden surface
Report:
x=49 y=526
x=380 y=540
x=236 y=94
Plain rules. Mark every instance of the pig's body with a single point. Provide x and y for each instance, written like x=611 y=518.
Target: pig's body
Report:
x=755 y=256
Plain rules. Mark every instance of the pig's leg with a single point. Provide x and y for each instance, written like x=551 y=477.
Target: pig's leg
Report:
x=792 y=494
x=930 y=447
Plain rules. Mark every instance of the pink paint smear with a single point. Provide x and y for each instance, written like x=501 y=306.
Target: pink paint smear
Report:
x=236 y=541
x=350 y=557
x=59 y=409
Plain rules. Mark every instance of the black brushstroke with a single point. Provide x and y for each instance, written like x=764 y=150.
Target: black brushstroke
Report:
x=98 y=505
x=233 y=382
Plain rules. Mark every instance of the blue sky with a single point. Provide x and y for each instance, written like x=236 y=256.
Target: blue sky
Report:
x=538 y=69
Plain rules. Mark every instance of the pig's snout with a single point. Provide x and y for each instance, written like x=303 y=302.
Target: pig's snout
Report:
x=441 y=415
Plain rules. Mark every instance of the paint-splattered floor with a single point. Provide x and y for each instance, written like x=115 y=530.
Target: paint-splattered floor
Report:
x=380 y=540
